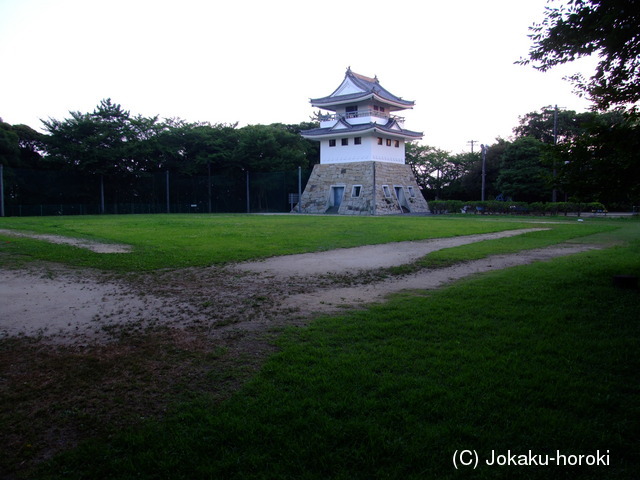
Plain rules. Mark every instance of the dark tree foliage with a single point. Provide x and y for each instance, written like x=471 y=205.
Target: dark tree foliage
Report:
x=470 y=184
x=440 y=174
x=31 y=144
x=9 y=145
x=20 y=146
x=568 y=124
x=607 y=28
x=596 y=157
x=97 y=143
x=523 y=175
x=602 y=164
x=109 y=141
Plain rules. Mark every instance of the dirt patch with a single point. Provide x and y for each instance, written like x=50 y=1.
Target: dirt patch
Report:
x=335 y=299
x=80 y=305
x=96 y=247
x=69 y=306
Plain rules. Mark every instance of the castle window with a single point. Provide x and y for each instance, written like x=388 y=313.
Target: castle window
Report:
x=411 y=192
x=357 y=140
x=332 y=142
x=397 y=144
x=388 y=142
x=345 y=141
x=379 y=140
x=352 y=111
x=386 y=190
x=355 y=191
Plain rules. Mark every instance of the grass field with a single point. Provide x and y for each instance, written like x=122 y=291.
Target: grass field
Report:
x=177 y=241
x=541 y=357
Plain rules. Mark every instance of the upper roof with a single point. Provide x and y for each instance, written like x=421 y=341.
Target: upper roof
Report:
x=356 y=88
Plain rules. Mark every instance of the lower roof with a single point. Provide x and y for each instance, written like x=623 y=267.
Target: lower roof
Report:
x=362 y=128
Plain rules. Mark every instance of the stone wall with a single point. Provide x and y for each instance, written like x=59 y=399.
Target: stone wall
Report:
x=320 y=195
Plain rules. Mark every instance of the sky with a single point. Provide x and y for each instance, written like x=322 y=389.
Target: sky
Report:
x=259 y=62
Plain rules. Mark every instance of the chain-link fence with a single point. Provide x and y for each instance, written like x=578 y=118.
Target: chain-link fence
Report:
x=37 y=192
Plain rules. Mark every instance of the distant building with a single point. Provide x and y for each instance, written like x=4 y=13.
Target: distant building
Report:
x=362 y=168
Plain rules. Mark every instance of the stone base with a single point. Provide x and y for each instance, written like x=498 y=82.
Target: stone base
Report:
x=362 y=188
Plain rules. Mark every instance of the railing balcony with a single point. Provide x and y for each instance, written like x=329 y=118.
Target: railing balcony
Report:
x=359 y=114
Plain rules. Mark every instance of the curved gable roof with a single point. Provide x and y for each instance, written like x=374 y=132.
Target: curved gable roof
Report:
x=390 y=128
x=356 y=87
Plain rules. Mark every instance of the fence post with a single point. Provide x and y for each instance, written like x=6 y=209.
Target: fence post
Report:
x=1 y=190
x=248 y=198
x=168 y=204
x=299 y=189
x=102 y=194
x=209 y=184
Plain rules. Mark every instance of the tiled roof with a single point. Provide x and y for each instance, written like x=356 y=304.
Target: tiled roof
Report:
x=361 y=128
x=370 y=86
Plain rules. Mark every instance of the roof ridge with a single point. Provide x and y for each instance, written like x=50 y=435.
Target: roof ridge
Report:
x=362 y=77
x=365 y=78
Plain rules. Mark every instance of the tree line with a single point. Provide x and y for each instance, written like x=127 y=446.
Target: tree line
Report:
x=581 y=157
x=110 y=141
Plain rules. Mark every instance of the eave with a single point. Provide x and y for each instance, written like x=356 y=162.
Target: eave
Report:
x=364 y=129
x=328 y=102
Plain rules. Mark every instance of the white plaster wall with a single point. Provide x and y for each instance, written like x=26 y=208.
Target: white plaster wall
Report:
x=369 y=150
x=345 y=154
x=383 y=153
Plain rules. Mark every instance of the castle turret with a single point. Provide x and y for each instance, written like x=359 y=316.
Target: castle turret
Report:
x=362 y=166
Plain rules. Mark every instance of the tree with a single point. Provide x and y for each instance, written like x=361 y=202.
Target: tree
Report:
x=9 y=145
x=431 y=167
x=194 y=148
x=522 y=173
x=608 y=28
x=98 y=142
x=602 y=164
x=470 y=184
x=270 y=148
x=31 y=144
x=568 y=124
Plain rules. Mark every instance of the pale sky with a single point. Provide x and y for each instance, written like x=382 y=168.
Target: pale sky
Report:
x=259 y=62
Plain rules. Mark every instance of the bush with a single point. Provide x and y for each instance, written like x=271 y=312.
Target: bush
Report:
x=495 y=207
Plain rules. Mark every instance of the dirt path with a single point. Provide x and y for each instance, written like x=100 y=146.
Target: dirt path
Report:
x=97 y=247
x=328 y=300
x=369 y=257
x=70 y=305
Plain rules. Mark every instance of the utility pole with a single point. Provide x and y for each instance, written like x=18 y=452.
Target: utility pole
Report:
x=554 y=192
x=472 y=143
x=483 y=148
x=1 y=190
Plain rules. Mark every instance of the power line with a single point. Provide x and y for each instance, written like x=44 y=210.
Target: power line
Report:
x=472 y=143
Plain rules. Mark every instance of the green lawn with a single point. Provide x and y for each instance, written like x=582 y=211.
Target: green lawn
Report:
x=175 y=241
x=542 y=357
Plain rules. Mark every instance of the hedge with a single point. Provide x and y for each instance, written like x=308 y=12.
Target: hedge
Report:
x=494 y=207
